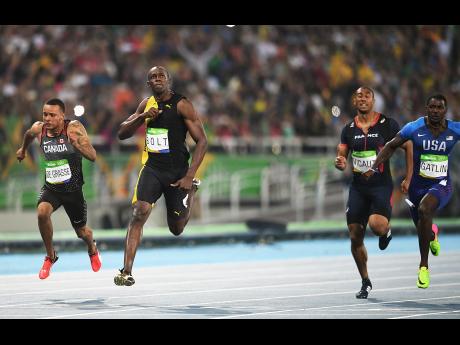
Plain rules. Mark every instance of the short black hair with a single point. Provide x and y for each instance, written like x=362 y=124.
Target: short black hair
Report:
x=56 y=101
x=438 y=97
x=366 y=88
x=168 y=75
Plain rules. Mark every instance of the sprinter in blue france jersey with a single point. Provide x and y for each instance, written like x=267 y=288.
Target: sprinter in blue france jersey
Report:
x=369 y=201
x=433 y=137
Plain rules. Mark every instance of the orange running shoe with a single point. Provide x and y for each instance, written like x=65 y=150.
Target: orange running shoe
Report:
x=46 y=268
x=96 y=261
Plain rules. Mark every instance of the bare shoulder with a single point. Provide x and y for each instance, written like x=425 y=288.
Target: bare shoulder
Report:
x=37 y=124
x=75 y=124
x=37 y=127
x=142 y=104
x=77 y=127
x=186 y=109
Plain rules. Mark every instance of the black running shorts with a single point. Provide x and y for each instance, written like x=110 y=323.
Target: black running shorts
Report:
x=365 y=200
x=74 y=204
x=152 y=183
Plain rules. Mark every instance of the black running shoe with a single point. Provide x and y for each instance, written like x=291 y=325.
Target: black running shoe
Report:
x=123 y=279
x=365 y=289
x=384 y=240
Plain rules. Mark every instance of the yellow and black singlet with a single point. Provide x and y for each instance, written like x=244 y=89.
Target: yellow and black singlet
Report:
x=165 y=146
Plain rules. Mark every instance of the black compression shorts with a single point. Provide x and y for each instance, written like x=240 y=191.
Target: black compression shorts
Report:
x=152 y=183
x=74 y=204
x=365 y=200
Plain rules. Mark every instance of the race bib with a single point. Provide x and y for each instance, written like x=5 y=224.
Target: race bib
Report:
x=157 y=140
x=363 y=160
x=58 y=171
x=434 y=166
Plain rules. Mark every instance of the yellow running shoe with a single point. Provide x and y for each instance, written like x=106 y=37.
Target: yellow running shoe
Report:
x=423 y=278
x=435 y=246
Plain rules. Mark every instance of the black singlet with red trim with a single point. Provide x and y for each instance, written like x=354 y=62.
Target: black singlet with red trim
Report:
x=63 y=163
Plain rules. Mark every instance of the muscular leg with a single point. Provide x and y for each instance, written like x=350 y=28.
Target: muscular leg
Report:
x=379 y=224
x=177 y=222
x=44 y=211
x=358 y=249
x=141 y=212
x=426 y=211
x=86 y=234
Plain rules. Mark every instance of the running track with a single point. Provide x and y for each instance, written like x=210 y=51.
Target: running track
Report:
x=298 y=279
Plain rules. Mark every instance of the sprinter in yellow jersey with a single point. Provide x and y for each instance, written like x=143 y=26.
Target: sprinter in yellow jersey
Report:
x=167 y=117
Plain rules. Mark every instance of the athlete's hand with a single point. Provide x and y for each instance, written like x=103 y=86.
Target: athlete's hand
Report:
x=152 y=113
x=20 y=154
x=340 y=162
x=367 y=175
x=405 y=186
x=184 y=183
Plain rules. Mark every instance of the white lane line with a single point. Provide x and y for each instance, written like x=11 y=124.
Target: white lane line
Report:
x=272 y=286
x=334 y=306
x=416 y=315
x=245 y=276
x=245 y=288
x=411 y=287
x=375 y=266
x=254 y=264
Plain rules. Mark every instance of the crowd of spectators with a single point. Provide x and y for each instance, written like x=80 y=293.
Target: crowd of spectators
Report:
x=245 y=81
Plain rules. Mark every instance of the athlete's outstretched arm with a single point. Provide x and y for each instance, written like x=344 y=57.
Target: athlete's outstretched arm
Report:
x=80 y=140
x=29 y=137
x=342 y=155
x=409 y=148
x=385 y=154
x=132 y=123
x=196 y=130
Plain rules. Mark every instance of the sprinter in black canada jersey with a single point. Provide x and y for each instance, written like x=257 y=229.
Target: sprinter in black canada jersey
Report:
x=63 y=144
x=167 y=117
x=369 y=201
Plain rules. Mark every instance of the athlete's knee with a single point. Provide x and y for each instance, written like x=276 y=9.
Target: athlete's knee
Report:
x=82 y=231
x=425 y=211
x=140 y=212
x=356 y=234
x=176 y=226
x=176 y=229
x=43 y=215
x=379 y=228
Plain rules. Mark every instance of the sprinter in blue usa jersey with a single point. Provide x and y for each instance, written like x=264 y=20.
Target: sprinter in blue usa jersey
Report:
x=433 y=138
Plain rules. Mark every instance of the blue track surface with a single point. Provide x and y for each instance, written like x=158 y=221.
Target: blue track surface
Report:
x=78 y=261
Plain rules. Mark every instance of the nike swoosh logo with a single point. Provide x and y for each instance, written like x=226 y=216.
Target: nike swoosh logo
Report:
x=47 y=142
x=421 y=135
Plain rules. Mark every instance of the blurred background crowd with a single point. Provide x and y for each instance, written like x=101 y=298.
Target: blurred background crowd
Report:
x=249 y=83
x=245 y=81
